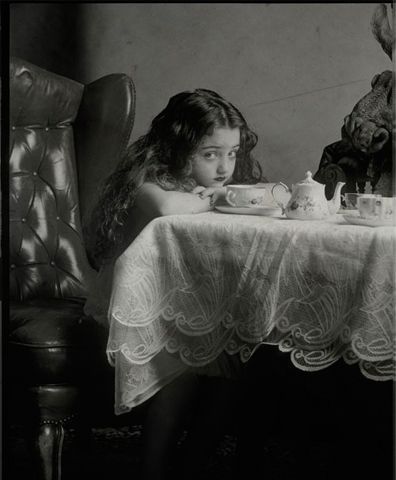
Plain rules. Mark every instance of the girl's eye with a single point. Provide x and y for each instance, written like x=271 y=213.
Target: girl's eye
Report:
x=210 y=155
x=233 y=154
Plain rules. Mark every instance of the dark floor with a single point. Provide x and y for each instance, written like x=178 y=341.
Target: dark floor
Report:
x=334 y=425
x=116 y=454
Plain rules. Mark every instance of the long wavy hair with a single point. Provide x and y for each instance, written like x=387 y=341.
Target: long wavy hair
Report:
x=163 y=156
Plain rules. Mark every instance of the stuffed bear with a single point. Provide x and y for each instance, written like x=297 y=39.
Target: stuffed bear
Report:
x=363 y=156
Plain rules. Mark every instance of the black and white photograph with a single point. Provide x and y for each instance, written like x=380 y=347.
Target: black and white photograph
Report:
x=198 y=241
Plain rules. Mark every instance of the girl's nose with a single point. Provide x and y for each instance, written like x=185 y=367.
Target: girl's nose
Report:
x=222 y=166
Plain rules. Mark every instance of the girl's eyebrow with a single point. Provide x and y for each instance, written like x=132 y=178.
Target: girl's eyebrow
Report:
x=217 y=146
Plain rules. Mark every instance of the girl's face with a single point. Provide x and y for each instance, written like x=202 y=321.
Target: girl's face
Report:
x=213 y=162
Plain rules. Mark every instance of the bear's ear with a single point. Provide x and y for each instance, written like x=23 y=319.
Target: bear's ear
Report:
x=382 y=29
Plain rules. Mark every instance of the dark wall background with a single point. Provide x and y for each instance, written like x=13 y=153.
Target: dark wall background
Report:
x=49 y=35
x=294 y=70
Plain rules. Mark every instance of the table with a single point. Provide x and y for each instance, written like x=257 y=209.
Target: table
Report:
x=191 y=287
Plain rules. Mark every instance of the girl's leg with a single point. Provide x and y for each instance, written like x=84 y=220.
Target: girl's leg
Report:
x=217 y=412
x=165 y=418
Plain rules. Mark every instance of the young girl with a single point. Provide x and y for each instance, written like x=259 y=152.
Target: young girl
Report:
x=198 y=144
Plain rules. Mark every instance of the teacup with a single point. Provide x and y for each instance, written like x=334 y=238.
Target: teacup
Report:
x=381 y=208
x=351 y=199
x=269 y=200
x=245 y=195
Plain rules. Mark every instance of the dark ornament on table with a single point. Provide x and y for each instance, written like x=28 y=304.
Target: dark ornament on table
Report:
x=364 y=153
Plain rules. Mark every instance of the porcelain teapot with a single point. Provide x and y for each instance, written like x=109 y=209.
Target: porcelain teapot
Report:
x=306 y=200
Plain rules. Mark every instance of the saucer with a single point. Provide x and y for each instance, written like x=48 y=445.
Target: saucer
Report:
x=369 y=222
x=349 y=211
x=265 y=211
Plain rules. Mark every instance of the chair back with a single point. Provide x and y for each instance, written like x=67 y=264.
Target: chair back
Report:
x=65 y=137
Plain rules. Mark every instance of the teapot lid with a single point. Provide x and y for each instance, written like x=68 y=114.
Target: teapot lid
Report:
x=308 y=180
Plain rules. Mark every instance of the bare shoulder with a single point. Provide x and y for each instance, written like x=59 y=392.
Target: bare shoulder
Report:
x=149 y=198
x=149 y=187
x=149 y=190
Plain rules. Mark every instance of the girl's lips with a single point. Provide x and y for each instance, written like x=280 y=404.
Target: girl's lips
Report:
x=220 y=179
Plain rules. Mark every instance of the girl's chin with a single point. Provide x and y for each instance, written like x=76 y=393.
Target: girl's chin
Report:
x=217 y=184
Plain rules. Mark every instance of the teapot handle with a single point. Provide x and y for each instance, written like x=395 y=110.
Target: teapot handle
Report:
x=278 y=191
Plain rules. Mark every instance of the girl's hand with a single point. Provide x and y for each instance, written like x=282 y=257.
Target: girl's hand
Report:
x=214 y=192
x=198 y=189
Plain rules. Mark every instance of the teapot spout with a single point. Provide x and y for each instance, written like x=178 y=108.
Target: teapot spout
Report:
x=335 y=203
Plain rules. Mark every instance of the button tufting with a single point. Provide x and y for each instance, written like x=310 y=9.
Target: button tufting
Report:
x=13 y=128
x=61 y=421
x=23 y=220
x=12 y=266
x=34 y=173
x=58 y=218
x=46 y=129
x=52 y=263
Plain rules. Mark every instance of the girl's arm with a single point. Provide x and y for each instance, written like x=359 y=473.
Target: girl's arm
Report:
x=156 y=202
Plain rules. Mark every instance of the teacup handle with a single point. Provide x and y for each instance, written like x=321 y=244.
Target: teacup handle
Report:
x=230 y=197
x=378 y=207
x=274 y=193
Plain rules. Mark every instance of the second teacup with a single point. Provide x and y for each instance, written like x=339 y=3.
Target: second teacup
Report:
x=382 y=208
x=351 y=199
x=245 y=195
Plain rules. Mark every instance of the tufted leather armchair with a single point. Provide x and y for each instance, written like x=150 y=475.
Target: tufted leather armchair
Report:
x=65 y=138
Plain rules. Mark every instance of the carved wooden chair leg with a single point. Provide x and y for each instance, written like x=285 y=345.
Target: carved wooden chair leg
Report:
x=53 y=407
x=47 y=449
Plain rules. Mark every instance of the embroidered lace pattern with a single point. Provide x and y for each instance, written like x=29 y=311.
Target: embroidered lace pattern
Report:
x=191 y=287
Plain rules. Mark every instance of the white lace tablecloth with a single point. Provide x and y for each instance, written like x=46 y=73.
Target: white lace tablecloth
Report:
x=190 y=287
